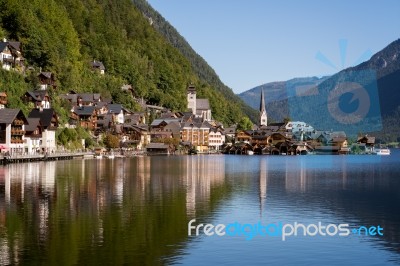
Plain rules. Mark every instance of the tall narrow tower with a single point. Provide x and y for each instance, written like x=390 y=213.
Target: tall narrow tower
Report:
x=263 y=113
x=191 y=98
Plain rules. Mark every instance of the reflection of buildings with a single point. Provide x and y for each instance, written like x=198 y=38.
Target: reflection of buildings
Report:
x=295 y=175
x=81 y=200
x=31 y=186
x=263 y=183
x=202 y=172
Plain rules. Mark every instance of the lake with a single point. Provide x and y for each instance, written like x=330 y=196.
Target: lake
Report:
x=136 y=210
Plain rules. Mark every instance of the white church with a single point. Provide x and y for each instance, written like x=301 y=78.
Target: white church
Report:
x=199 y=107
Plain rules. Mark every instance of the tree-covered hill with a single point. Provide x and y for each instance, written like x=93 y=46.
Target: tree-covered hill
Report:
x=199 y=65
x=63 y=36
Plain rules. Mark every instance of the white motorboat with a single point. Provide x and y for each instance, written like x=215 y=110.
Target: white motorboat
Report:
x=382 y=151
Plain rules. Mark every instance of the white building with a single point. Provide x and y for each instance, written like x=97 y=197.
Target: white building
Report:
x=297 y=126
x=216 y=139
x=10 y=54
x=199 y=107
x=12 y=130
x=263 y=113
x=48 y=126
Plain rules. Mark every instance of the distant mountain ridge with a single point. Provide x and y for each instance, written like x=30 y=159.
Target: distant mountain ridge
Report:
x=277 y=91
x=385 y=68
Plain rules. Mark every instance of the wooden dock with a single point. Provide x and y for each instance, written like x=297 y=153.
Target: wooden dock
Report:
x=24 y=158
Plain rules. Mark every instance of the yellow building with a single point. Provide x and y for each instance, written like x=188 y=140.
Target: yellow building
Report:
x=197 y=134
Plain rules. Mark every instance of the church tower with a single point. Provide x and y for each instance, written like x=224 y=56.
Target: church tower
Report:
x=263 y=113
x=191 y=98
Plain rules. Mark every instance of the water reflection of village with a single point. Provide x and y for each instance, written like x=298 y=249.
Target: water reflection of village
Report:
x=137 y=209
x=80 y=203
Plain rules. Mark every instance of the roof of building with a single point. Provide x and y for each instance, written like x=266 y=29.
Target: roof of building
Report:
x=114 y=108
x=15 y=45
x=3 y=45
x=199 y=125
x=38 y=95
x=90 y=97
x=97 y=64
x=33 y=123
x=8 y=115
x=84 y=110
x=71 y=97
x=45 y=115
x=202 y=104
x=191 y=88
x=46 y=74
x=158 y=121
x=369 y=139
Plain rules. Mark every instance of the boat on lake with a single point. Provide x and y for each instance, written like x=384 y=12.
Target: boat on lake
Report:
x=382 y=151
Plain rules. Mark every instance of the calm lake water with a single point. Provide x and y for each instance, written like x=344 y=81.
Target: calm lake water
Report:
x=136 y=211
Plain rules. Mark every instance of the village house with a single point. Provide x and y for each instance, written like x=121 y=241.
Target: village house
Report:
x=39 y=98
x=136 y=136
x=98 y=67
x=12 y=130
x=216 y=138
x=48 y=124
x=135 y=118
x=230 y=132
x=84 y=116
x=174 y=128
x=46 y=80
x=104 y=123
x=260 y=138
x=33 y=136
x=10 y=55
x=84 y=99
x=244 y=136
x=367 y=142
x=118 y=112
x=332 y=142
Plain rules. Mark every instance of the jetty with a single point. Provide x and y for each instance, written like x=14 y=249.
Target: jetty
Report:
x=23 y=158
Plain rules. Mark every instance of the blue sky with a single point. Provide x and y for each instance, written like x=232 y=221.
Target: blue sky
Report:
x=249 y=43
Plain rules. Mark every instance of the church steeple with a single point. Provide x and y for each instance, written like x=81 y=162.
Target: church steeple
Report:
x=263 y=113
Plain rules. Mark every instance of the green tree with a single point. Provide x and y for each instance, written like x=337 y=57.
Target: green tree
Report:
x=245 y=123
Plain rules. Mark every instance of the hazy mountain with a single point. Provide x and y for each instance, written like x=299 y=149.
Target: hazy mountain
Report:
x=373 y=106
x=277 y=91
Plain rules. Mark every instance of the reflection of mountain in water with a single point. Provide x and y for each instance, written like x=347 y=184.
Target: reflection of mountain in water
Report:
x=96 y=211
